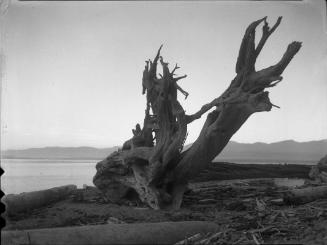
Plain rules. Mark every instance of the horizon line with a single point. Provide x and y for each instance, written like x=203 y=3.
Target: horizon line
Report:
x=84 y=146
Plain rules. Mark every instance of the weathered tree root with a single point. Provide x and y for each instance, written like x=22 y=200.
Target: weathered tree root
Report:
x=152 y=162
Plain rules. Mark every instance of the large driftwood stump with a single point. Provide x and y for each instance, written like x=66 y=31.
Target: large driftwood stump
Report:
x=152 y=162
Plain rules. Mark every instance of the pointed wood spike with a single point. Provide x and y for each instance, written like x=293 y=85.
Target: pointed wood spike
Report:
x=275 y=105
x=179 y=78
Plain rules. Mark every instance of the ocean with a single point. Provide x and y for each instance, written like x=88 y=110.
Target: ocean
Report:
x=23 y=175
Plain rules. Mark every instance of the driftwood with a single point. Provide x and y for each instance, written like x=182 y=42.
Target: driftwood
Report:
x=318 y=172
x=140 y=233
x=305 y=195
x=30 y=200
x=152 y=162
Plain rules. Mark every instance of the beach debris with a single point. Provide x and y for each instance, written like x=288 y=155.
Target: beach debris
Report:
x=314 y=172
x=139 y=233
x=229 y=236
x=27 y=201
x=236 y=205
x=141 y=208
x=278 y=201
x=305 y=195
x=207 y=201
x=256 y=239
x=289 y=182
x=323 y=162
x=189 y=240
x=318 y=172
x=261 y=205
x=204 y=238
x=89 y=194
x=262 y=221
x=113 y=220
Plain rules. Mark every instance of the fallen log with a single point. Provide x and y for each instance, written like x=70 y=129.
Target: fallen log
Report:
x=140 y=233
x=305 y=195
x=30 y=200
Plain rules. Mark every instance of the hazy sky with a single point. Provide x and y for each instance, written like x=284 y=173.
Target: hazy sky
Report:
x=72 y=71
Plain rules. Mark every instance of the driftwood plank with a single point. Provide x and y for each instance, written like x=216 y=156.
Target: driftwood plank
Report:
x=141 y=233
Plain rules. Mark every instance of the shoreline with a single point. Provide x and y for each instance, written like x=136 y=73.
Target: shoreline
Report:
x=235 y=204
x=39 y=179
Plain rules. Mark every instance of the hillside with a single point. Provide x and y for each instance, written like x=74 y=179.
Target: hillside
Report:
x=284 y=151
x=60 y=153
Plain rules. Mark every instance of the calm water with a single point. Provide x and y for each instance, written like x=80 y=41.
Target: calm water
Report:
x=23 y=175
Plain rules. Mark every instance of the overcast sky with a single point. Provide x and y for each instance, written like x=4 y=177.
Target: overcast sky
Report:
x=73 y=70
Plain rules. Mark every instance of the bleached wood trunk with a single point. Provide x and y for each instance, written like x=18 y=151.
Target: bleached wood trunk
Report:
x=155 y=167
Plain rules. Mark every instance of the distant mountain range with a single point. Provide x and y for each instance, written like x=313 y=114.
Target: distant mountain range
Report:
x=284 y=151
x=60 y=153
